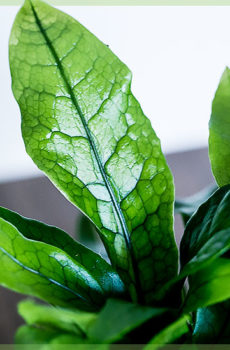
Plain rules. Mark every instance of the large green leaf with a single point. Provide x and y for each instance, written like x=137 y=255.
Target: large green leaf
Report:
x=118 y=318
x=169 y=334
x=211 y=218
x=83 y=127
x=213 y=324
x=66 y=320
x=45 y=271
x=209 y=286
x=219 y=131
x=38 y=231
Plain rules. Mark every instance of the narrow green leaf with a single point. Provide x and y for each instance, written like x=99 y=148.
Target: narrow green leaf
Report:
x=66 y=320
x=209 y=285
x=83 y=127
x=212 y=324
x=38 y=231
x=187 y=206
x=211 y=218
x=47 y=272
x=219 y=131
x=118 y=318
x=170 y=334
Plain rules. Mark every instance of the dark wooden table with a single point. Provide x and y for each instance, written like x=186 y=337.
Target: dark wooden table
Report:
x=39 y=199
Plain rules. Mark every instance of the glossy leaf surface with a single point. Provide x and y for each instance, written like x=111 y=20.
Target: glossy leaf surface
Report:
x=83 y=127
x=38 y=231
x=211 y=218
x=47 y=272
x=212 y=324
x=219 y=131
x=118 y=318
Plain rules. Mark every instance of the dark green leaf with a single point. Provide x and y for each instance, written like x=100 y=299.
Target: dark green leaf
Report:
x=45 y=271
x=170 y=334
x=210 y=218
x=213 y=324
x=206 y=237
x=66 y=320
x=83 y=127
x=209 y=286
x=219 y=131
x=38 y=231
x=187 y=206
x=118 y=318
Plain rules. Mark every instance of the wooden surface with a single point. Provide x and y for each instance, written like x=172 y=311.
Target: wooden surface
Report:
x=39 y=199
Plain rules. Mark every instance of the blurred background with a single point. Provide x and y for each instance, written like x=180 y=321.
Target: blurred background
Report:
x=177 y=56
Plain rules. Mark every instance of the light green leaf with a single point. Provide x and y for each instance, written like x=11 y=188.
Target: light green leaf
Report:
x=118 y=318
x=66 y=320
x=187 y=206
x=32 y=335
x=212 y=324
x=44 y=339
x=209 y=286
x=83 y=127
x=47 y=272
x=38 y=231
x=170 y=334
x=219 y=131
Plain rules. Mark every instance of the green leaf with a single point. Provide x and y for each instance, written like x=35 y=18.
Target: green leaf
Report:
x=38 y=231
x=47 y=272
x=212 y=324
x=170 y=334
x=32 y=335
x=66 y=320
x=209 y=285
x=206 y=237
x=28 y=335
x=187 y=206
x=211 y=218
x=118 y=318
x=83 y=127
x=219 y=131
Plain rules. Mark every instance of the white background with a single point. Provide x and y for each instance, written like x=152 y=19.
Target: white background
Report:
x=176 y=54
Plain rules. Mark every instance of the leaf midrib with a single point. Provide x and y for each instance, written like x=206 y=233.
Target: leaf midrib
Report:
x=115 y=203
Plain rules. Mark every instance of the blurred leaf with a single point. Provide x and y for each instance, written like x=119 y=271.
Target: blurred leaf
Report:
x=83 y=127
x=118 y=318
x=32 y=335
x=187 y=206
x=98 y=267
x=66 y=320
x=219 y=131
